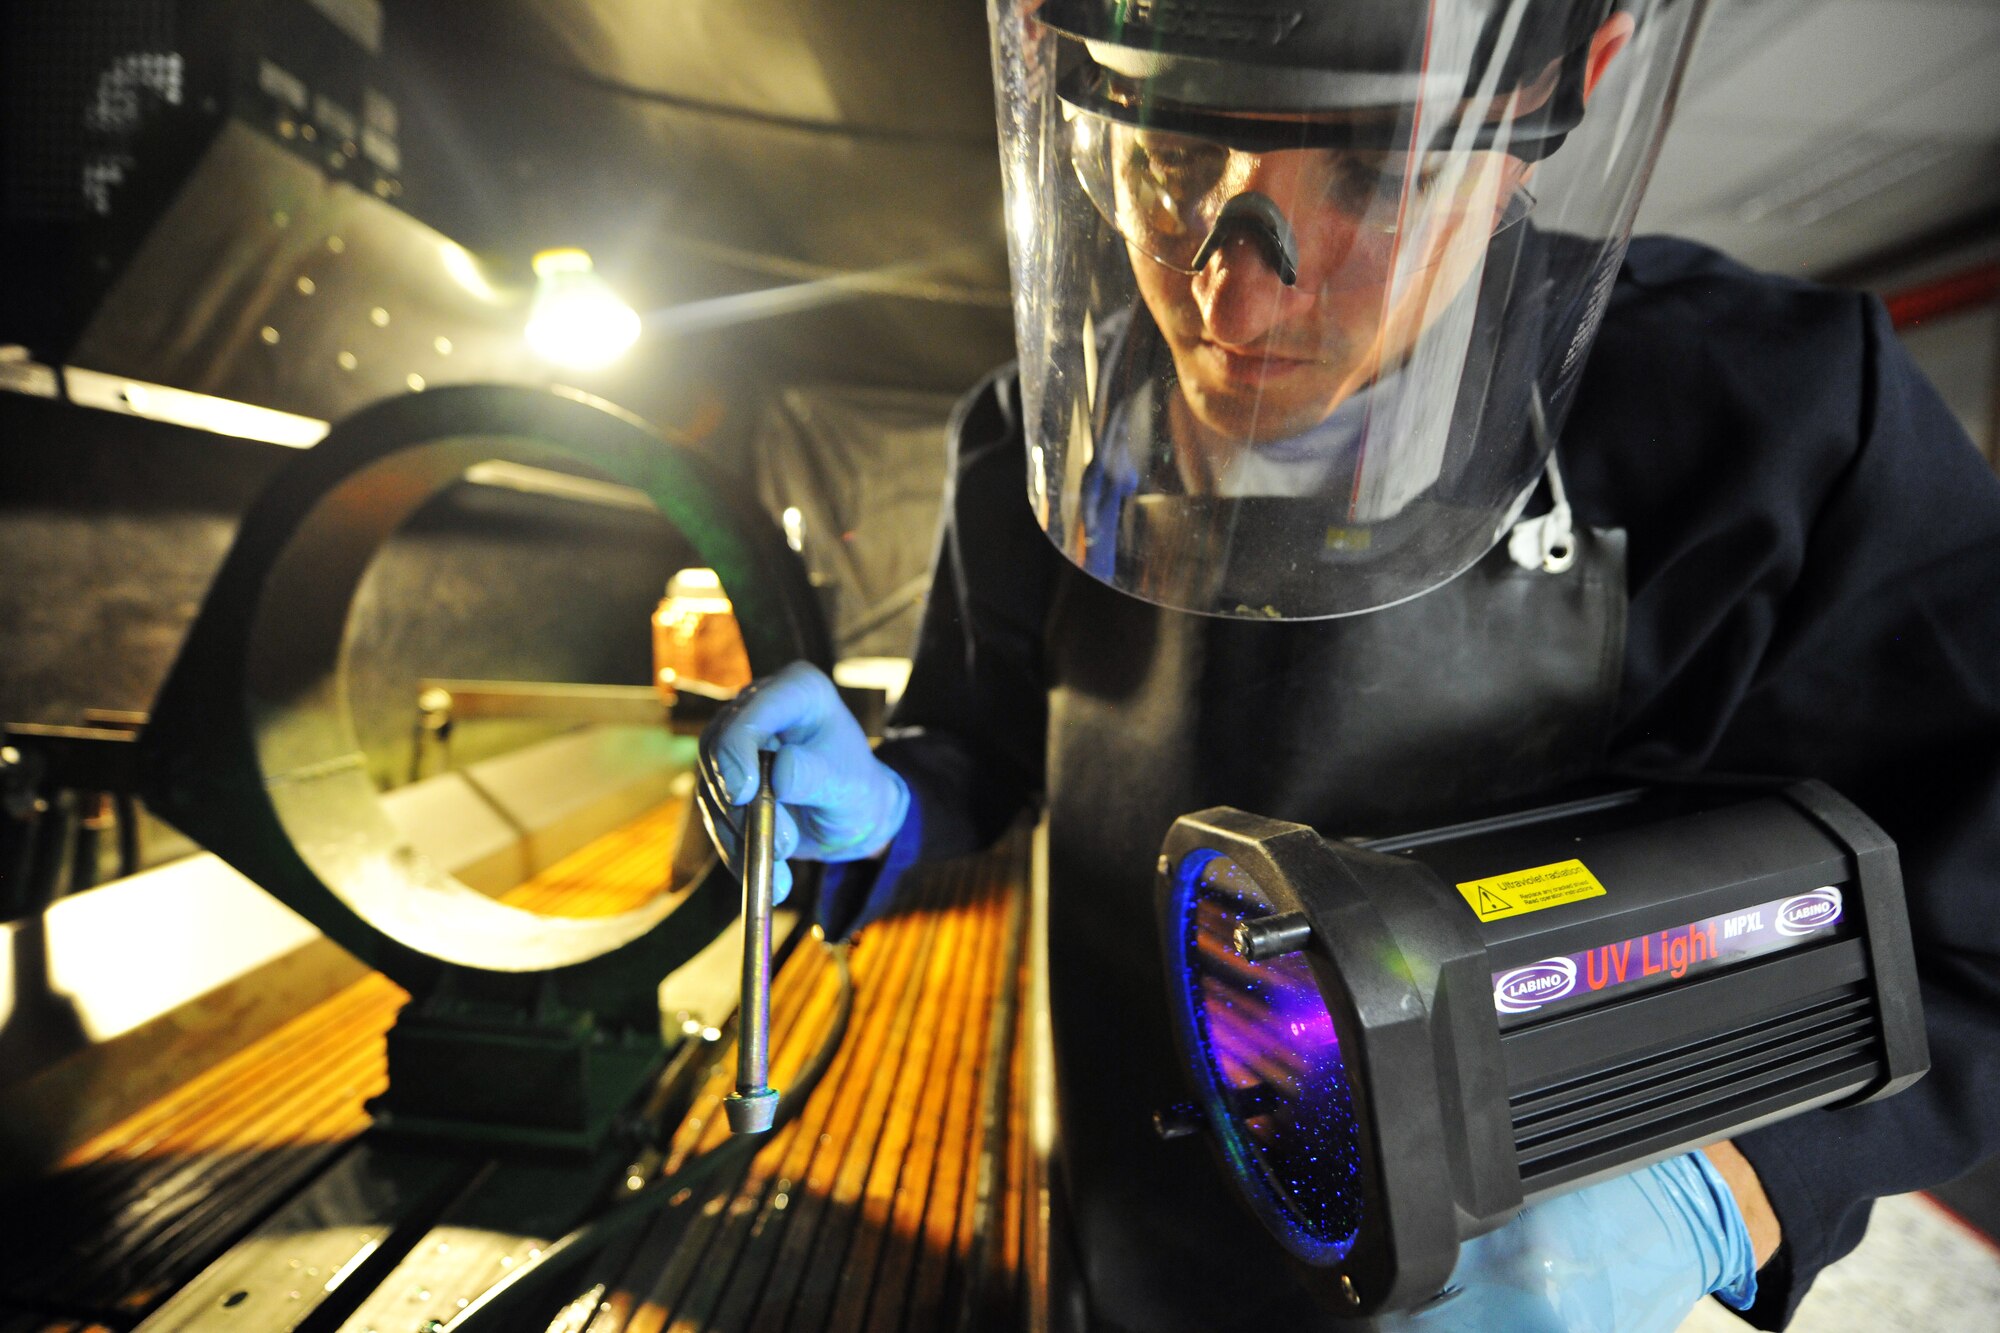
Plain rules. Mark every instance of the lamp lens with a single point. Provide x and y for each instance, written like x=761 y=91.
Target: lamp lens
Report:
x=1268 y=1063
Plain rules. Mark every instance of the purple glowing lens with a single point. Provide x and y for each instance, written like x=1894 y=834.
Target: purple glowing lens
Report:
x=1274 y=1085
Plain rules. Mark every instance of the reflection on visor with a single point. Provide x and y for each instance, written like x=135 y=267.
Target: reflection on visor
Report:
x=1274 y=1086
x=1164 y=192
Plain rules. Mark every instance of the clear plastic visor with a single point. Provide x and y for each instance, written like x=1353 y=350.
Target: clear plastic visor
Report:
x=1308 y=362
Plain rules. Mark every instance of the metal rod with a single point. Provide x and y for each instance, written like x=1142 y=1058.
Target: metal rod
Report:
x=751 y=1107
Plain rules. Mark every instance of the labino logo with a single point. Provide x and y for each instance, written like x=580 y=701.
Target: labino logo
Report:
x=1809 y=911
x=1527 y=989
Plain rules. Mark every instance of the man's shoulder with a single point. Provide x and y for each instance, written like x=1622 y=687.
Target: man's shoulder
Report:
x=1694 y=340
x=1658 y=262
x=1670 y=284
x=1712 y=386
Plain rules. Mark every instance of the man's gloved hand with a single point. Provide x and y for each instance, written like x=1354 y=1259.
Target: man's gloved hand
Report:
x=836 y=800
x=1629 y=1255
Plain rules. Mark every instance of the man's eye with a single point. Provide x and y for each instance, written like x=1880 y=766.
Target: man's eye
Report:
x=1182 y=170
x=1359 y=181
x=1368 y=181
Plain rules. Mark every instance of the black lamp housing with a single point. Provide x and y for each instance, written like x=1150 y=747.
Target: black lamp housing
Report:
x=1396 y=1044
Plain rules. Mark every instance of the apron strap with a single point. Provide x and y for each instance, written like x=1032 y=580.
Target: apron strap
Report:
x=1547 y=543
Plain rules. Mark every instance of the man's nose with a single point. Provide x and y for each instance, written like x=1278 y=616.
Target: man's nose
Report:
x=1240 y=295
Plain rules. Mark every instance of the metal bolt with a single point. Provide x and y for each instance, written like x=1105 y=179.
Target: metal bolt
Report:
x=1270 y=937
x=1347 y=1291
x=9 y=756
x=754 y=1104
x=1165 y=863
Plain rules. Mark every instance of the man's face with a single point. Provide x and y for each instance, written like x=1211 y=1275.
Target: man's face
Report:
x=1381 y=253
x=1258 y=360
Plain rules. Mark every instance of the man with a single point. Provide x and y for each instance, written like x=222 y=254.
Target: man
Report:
x=1305 y=296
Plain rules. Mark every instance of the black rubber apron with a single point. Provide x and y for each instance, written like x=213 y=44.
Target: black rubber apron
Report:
x=1494 y=687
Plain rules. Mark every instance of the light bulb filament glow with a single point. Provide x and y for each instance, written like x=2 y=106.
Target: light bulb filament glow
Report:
x=576 y=320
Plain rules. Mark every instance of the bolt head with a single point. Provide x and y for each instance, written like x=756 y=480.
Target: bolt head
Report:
x=751 y=1113
x=1261 y=939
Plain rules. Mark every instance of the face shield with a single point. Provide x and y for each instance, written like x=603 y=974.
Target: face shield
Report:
x=1303 y=292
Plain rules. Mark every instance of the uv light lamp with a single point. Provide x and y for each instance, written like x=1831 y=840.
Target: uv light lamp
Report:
x=1395 y=1044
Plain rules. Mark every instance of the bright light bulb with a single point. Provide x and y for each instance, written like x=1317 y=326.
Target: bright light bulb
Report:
x=576 y=320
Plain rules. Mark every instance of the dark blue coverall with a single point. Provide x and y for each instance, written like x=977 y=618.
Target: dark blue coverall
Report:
x=1813 y=570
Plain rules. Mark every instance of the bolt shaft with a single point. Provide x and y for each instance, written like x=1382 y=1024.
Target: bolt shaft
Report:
x=751 y=1108
x=1268 y=937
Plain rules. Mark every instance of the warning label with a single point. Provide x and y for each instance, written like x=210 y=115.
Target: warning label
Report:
x=1530 y=890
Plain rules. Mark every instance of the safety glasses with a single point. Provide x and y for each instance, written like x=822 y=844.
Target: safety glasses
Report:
x=1165 y=192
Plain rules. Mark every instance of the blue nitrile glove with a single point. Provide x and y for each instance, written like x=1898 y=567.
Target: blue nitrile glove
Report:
x=836 y=800
x=1628 y=1255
